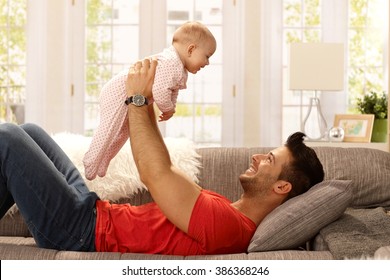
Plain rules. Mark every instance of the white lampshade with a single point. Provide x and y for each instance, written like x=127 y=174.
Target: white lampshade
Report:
x=316 y=66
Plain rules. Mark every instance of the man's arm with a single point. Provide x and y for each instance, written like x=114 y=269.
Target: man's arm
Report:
x=172 y=190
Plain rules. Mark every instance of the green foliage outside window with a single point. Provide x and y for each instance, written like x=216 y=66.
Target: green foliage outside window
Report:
x=13 y=46
x=186 y=110
x=365 y=49
x=302 y=19
x=98 y=45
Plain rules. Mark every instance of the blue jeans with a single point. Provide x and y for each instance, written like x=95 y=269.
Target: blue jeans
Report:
x=47 y=188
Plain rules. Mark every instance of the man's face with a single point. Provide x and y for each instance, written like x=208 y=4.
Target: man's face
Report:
x=265 y=169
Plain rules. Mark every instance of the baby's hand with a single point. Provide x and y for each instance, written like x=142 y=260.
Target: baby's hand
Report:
x=166 y=115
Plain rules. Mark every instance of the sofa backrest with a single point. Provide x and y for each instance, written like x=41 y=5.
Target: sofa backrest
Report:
x=369 y=169
x=221 y=168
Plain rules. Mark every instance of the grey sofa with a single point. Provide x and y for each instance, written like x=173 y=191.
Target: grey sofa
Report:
x=348 y=221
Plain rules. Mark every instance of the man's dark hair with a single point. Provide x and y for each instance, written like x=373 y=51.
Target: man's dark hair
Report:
x=305 y=170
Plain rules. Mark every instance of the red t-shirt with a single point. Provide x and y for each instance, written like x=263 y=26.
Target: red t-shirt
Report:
x=215 y=228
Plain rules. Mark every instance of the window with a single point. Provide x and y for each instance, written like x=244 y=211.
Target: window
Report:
x=109 y=23
x=199 y=108
x=301 y=23
x=367 y=22
x=12 y=60
x=361 y=25
x=108 y=26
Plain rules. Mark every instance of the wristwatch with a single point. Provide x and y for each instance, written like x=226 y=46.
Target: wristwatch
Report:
x=137 y=100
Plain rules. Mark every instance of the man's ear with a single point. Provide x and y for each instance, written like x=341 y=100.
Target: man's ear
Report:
x=282 y=187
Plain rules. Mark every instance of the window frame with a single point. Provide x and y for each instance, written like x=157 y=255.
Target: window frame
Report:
x=334 y=15
x=152 y=40
x=13 y=104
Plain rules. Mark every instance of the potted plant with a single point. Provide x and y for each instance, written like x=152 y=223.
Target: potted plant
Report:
x=375 y=103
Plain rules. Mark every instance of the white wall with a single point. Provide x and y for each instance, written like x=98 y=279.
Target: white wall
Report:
x=48 y=86
x=251 y=77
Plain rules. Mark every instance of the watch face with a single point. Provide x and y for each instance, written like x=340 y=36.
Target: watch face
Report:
x=139 y=100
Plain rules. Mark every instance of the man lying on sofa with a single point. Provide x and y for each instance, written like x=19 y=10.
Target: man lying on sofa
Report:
x=184 y=219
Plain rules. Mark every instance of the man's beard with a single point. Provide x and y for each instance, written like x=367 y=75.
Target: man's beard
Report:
x=258 y=184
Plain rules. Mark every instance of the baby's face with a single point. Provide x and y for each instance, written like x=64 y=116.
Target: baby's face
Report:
x=200 y=55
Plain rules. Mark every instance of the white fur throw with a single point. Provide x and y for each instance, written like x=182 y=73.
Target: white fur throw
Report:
x=122 y=178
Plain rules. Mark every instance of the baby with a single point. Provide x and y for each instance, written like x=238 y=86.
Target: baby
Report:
x=192 y=46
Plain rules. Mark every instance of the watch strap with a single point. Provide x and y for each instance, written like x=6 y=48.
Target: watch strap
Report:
x=130 y=99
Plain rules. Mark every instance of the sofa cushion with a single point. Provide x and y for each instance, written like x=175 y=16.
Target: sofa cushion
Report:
x=358 y=233
x=369 y=170
x=300 y=218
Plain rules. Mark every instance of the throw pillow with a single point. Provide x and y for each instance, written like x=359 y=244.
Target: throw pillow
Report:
x=300 y=218
x=122 y=178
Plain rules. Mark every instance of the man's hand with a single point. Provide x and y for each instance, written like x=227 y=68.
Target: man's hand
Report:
x=141 y=77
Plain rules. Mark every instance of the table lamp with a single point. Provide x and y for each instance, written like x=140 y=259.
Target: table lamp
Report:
x=316 y=67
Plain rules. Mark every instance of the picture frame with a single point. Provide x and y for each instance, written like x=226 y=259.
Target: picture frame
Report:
x=357 y=127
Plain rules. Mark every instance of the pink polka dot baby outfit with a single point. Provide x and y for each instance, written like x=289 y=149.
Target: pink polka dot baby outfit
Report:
x=113 y=131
